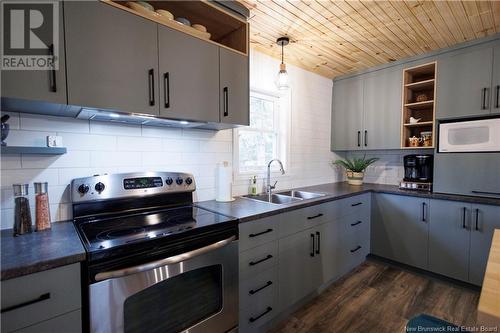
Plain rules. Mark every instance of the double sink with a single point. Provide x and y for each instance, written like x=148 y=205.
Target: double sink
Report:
x=285 y=197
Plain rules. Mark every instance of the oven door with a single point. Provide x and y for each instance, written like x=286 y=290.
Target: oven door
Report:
x=195 y=291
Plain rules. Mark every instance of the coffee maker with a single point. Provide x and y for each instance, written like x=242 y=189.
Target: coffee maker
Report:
x=418 y=172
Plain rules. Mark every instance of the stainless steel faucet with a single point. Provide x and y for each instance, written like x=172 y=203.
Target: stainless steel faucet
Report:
x=270 y=187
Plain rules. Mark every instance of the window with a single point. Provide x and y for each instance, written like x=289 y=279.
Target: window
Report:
x=265 y=138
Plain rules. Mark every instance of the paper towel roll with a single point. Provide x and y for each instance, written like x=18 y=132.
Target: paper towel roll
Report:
x=224 y=182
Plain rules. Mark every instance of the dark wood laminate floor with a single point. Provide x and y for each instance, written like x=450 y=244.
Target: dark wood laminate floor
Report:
x=376 y=297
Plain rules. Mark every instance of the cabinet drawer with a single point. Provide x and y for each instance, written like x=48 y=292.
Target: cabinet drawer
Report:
x=255 y=233
x=37 y=297
x=67 y=323
x=259 y=289
x=353 y=249
x=357 y=203
x=252 y=318
x=302 y=219
x=258 y=259
x=356 y=222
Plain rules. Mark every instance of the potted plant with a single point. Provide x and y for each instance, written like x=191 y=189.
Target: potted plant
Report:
x=355 y=168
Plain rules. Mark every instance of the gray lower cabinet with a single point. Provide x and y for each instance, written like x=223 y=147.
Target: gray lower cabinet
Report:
x=234 y=90
x=299 y=267
x=400 y=228
x=63 y=323
x=463 y=83
x=449 y=237
x=112 y=58
x=189 y=73
x=347 y=114
x=40 y=85
x=382 y=109
x=485 y=219
x=43 y=301
x=448 y=167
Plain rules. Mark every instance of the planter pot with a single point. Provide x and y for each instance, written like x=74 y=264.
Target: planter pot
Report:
x=355 y=178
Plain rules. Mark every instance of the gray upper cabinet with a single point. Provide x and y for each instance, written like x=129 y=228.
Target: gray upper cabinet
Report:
x=399 y=230
x=347 y=114
x=189 y=74
x=39 y=85
x=449 y=237
x=112 y=58
x=382 y=109
x=451 y=167
x=485 y=219
x=464 y=83
x=234 y=88
x=495 y=86
x=299 y=267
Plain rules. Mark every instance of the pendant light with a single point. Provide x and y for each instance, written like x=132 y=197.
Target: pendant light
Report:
x=282 y=78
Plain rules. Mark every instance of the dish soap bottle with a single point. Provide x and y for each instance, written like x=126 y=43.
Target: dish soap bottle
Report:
x=253 y=186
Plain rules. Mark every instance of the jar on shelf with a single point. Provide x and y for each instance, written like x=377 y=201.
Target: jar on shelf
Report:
x=42 y=208
x=426 y=138
x=22 y=213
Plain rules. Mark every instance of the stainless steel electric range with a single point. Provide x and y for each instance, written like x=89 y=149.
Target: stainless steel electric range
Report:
x=155 y=261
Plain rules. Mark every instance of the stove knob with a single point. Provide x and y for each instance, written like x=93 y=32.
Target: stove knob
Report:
x=169 y=181
x=189 y=180
x=84 y=188
x=179 y=181
x=99 y=187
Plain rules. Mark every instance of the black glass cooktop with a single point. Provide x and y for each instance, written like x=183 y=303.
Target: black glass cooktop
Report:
x=102 y=234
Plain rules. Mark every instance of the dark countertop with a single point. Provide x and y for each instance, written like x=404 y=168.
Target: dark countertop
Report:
x=247 y=210
x=40 y=251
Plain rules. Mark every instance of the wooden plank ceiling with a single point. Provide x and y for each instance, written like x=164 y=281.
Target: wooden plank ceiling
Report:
x=333 y=38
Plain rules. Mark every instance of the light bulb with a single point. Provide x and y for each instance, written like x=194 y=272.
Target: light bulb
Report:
x=282 y=79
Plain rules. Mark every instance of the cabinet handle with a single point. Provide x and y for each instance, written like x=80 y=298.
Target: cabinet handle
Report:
x=424 y=218
x=269 y=309
x=484 y=192
x=484 y=106
x=314 y=216
x=356 y=249
x=151 y=83
x=319 y=242
x=359 y=138
x=53 y=83
x=477 y=219
x=260 y=233
x=464 y=213
x=312 y=245
x=226 y=101
x=253 y=263
x=366 y=138
x=268 y=283
x=497 y=103
x=166 y=89
x=356 y=223
x=356 y=204
x=41 y=298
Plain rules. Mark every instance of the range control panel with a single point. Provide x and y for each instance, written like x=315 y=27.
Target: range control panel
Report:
x=114 y=186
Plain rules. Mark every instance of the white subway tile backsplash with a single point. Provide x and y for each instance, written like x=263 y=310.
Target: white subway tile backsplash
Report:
x=28 y=138
x=124 y=143
x=28 y=176
x=175 y=145
x=72 y=159
x=161 y=132
x=108 y=128
x=74 y=141
x=114 y=158
x=10 y=161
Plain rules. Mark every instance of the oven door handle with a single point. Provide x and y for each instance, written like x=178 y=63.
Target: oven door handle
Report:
x=163 y=262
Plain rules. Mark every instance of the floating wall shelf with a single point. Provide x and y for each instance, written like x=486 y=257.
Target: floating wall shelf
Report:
x=33 y=150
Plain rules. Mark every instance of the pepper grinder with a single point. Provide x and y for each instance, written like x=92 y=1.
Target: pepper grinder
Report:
x=22 y=213
x=42 y=210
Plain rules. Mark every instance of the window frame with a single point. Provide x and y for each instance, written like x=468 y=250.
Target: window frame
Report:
x=281 y=129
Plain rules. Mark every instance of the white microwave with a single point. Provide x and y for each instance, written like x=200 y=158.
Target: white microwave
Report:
x=470 y=135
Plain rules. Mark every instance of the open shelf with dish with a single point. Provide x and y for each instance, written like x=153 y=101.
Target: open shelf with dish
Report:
x=201 y=19
x=418 y=107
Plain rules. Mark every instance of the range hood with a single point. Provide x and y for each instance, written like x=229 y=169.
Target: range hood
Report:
x=106 y=115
